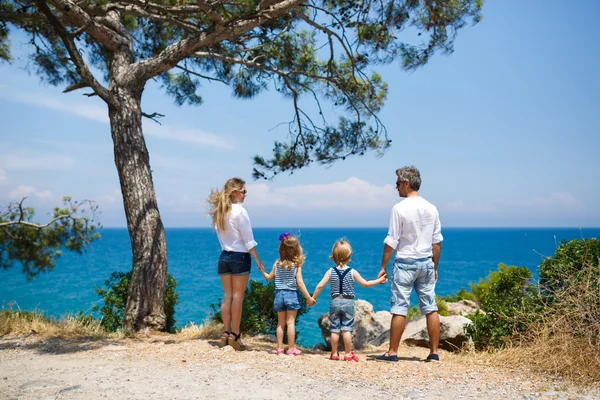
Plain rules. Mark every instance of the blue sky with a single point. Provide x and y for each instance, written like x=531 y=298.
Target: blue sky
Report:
x=505 y=131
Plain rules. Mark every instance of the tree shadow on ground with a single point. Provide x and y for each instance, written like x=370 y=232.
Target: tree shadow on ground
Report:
x=56 y=345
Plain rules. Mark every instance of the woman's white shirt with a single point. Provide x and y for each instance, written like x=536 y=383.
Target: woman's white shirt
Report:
x=238 y=231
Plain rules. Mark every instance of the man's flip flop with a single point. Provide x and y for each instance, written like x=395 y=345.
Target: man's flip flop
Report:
x=387 y=358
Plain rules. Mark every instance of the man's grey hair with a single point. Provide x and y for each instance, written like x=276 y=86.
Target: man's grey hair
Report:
x=410 y=174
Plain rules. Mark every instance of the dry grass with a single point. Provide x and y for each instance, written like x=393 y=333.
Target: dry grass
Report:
x=208 y=330
x=26 y=323
x=565 y=339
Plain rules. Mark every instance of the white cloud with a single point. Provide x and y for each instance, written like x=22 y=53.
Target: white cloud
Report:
x=189 y=136
x=88 y=109
x=460 y=206
x=93 y=110
x=114 y=198
x=43 y=162
x=2 y=175
x=554 y=200
x=183 y=204
x=177 y=163
x=29 y=191
x=354 y=193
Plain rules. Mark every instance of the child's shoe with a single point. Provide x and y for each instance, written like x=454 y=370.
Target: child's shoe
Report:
x=295 y=352
x=280 y=352
x=351 y=357
x=334 y=357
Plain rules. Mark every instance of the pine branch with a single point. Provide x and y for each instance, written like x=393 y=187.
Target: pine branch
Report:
x=76 y=57
x=170 y=56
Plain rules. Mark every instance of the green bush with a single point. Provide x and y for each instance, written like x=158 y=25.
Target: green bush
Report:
x=415 y=311
x=506 y=299
x=569 y=284
x=115 y=301
x=462 y=294
x=569 y=266
x=258 y=315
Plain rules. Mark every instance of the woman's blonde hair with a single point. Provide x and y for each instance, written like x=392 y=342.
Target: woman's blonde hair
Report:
x=290 y=252
x=220 y=201
x=341 y=252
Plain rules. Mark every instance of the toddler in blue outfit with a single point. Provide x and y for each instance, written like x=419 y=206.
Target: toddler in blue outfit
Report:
x=287 y=272
x=341 y=280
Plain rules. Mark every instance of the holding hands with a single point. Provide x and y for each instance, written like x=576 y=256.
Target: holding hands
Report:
x=261 y=266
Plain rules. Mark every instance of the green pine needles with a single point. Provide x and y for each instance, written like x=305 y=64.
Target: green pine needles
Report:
x=36 y=246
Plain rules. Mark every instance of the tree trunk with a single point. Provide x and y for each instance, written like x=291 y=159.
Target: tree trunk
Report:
x=145 y=301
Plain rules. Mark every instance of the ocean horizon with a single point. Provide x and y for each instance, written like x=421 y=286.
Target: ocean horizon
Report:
x=468 y=255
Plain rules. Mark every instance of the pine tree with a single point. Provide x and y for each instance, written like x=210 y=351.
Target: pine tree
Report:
x=316 y=50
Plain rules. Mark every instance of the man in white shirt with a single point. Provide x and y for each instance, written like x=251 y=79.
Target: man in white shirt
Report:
x=415 y=234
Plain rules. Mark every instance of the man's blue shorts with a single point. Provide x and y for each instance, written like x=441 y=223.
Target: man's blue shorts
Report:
x=408 y=274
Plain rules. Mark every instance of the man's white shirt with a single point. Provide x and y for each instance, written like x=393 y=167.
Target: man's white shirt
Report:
x=414 y=227
x=238 y=231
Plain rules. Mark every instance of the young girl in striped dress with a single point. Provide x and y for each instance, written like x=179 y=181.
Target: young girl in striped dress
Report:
x=287 y=272
x=341 y=280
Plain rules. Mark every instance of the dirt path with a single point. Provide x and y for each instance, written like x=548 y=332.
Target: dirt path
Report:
x=156 y=368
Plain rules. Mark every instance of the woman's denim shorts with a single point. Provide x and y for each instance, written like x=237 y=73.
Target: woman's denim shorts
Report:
x=286 y=300
x=234 y=263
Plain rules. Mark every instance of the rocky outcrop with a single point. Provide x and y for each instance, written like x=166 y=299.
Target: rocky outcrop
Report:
x=452 y=333
x=463 y=307
x=372 y=328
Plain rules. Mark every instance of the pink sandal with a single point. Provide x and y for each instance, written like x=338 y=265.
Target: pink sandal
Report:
x=295 y=352
x=280 y=352
x=334 y=358
x=351 y=357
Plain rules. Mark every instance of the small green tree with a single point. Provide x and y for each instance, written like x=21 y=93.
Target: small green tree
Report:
x=37 y=246
x=505 y=296
x=569 y=265
x=258 y=315
x=115 y=301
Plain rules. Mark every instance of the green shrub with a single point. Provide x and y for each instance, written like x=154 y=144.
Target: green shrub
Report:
x=462 y=294
x=506 y=298
x=569 y=285
x=258 y=315
x=569 y=266
x=415 y=311
x=115 y=301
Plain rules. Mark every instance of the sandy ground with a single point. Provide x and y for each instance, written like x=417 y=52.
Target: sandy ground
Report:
x=161 y=368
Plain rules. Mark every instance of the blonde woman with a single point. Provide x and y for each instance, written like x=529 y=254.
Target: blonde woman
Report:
x=287 y=272
x=232 y=224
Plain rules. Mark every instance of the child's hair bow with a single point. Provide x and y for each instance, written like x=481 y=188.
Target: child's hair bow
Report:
x=284 y=235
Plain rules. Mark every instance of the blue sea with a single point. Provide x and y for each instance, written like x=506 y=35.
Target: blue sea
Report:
x=468 y=254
